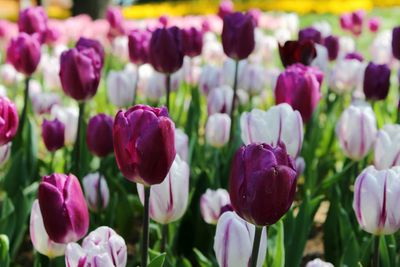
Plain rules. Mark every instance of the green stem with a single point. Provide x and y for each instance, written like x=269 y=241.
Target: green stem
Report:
x=168 y=89
x=164 y=237
x=256 y=246
x=146 y=221
x=232 y=115
x=26 y=103
x=77 y=146
x=52 y=161
x=375 y=260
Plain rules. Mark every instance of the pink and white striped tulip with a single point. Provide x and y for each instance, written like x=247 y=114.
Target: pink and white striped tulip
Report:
x=210 y=78
x=219 y=100
x=93 y=184
x=211 y=203
x=218 y=129
x=387 y=147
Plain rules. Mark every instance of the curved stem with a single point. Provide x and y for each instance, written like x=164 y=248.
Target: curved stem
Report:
x=256 y=246
x=375 y=260
x=146 y=220
x=164 y=237
x=168 y=89
x=232 y=114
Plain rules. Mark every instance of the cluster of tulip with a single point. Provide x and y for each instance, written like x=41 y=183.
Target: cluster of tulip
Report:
x=257 y=160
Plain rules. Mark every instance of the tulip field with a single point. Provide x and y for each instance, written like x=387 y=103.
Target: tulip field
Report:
x=234 y=139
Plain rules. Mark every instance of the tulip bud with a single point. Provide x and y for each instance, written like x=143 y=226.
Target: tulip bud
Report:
x=225 y=8
x=356 y=130
x=357 y=18
x=346 y=45
x=148 y=134
x=376 y=81
x=374 y=24
x=210 y=78
x=278 y=124
x=238 y=35
x=375 y=203
x=332 y=44
x=169 y=199
x=396 y=42
x=53 y=134
x=8 y=120
x=299 y=86
x=387 y=147
x=262 y=183
x=381 y=48
x=23 y=53
x=192 y=41
x=165 y=50
x=61 y=197
x=99 y=135
x=121 y=87
x=233 y=241
x=39 y=237
x=103 y=247
x=218 y=129
x=69 y=117
x=310 y=34
x=321 y=62
x=5 y=151
x=346 y=22
x=33 y=20
x=98 y=55
x=344 y=76
x=252 y=78
x=354 y=55
x=297 y=52
x=318 y=263
x=219 y=100
x=182 y=144
x=96 y=191
x=211 y=203
x=116 y=21
x=138 y=42
x=43 y=102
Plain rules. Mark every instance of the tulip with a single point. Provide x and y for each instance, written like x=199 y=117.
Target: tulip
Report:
x=346 y=21
x=387 y=147
x=69 y=117
x=332 y=44
x=99 y=137
x=182 y=144
x=356 y=130
x=103 y=247
x=121 y=87
x=211 y=204
x=63 y=206
x=9 y=75
x=279 y=124
x=229 y=71
x=148 y=134
x=357 y=18
x=217 y=129
x=210 y=78
x=225 y=8
x=376 y=81
x=252 y=78
x=120 y=48
x=43 y=102
x=5 y=151
x=255 y=14
x=96 y=191
x=238 y=35
x=346 y=45
x=262 y=183
x=381 y=48
x=299 y=86
x=318 y=263
x=374 y=24
x=219 y=100
x=213 y=52
x=138 y=42
x=39 y=237
x=53 y=134
x=345 y=75
x=321 y=62
x=354 y=55
x=116 y=21
x=375 y=201
x=33 y=20
x=297 y=52
x=233 y=241
x=51 y=67
x=98 y=55
x=396 y=42
x=310 y=34
x=169 y=199
x=23 y=53
x=8 y=120
x=192 y=41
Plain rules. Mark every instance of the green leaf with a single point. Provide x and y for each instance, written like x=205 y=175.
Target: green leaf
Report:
x=4 y=251
x=158 y=261
x=201 y=259
x=278 y=257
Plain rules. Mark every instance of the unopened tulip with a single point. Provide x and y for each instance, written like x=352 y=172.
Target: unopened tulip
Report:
x=192 y=41
x=8 y=120
x=297 y=52
x=39 y=237
x=147 y=133
x=165 y=50
x=33 y=20
x=278 y=124
x=121 y=87
x=233 y=241
x=103 y=247
x=217 y=129
x=375 y=203
x=69 y=117
x=374 y=24
x=116 y=21
x=63 y=206
x=299 y=86
x=354 y=55
x=138 y=43
x=319 y=263
x=387 y=147
x=381 y=48
x=332 y=44
x=225 y=8
x=346 y=45
x=182 y=144
x=96 y=191
x=376 y=81
x=43 y=102
x=346 y=22
x=96 y=46
x=322 y=60
x=24 y=52
x=169 y=199
x=356 y=130
x=219 y=100
x=53 y=134
x=210 y=78
x=345 y=75
x=252 y=78
x=99 y=135
x=238 y=35
x=396 y=42
x=310 y=34
x=357 y=18
x=211 y=203
x=262 y=183
x=5 y=151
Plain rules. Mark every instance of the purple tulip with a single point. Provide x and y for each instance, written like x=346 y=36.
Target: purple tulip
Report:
x=310 y=34
x=374 y=24
x=354 y=55
x=192 y=41
x=138 y=43
x=99 y=135
x=53 y=133
x=332 y=45
x=376 y=81
x=225 y=8
x=116 y=20
x=238 y=35
x=299 y=86
x=86 y=43
x=144 y=143
x=23 y=53
x=357 y=18
x=346 y=22
x=33 y=20
x=8 y=120
x=396 y=42
x=262 y=183
x=63 y=206
x=165 y=50
x=297 y=52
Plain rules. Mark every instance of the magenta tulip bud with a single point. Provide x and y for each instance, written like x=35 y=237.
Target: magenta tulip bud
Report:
x=357 y=18
x=225 y=8
x=116 y=20
x=8 y=120
x=374 y=24
x=332 y=45
x=396 y=42
x=262 y=183
x=96 y=191
x=85 y=43
x=138 y=42
x=376 y=81
x=354 y=55
x=99 y=137
x=23 y=53
x=33 y=20
x=53 y=134
x=310 y=34
x=238 y=35
x=299 y=86
x=165 y=50
x=297 y=52
x=192 y=41
x=144 y=143
x=346 y=22
x=211 y=204
x=63 y=206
